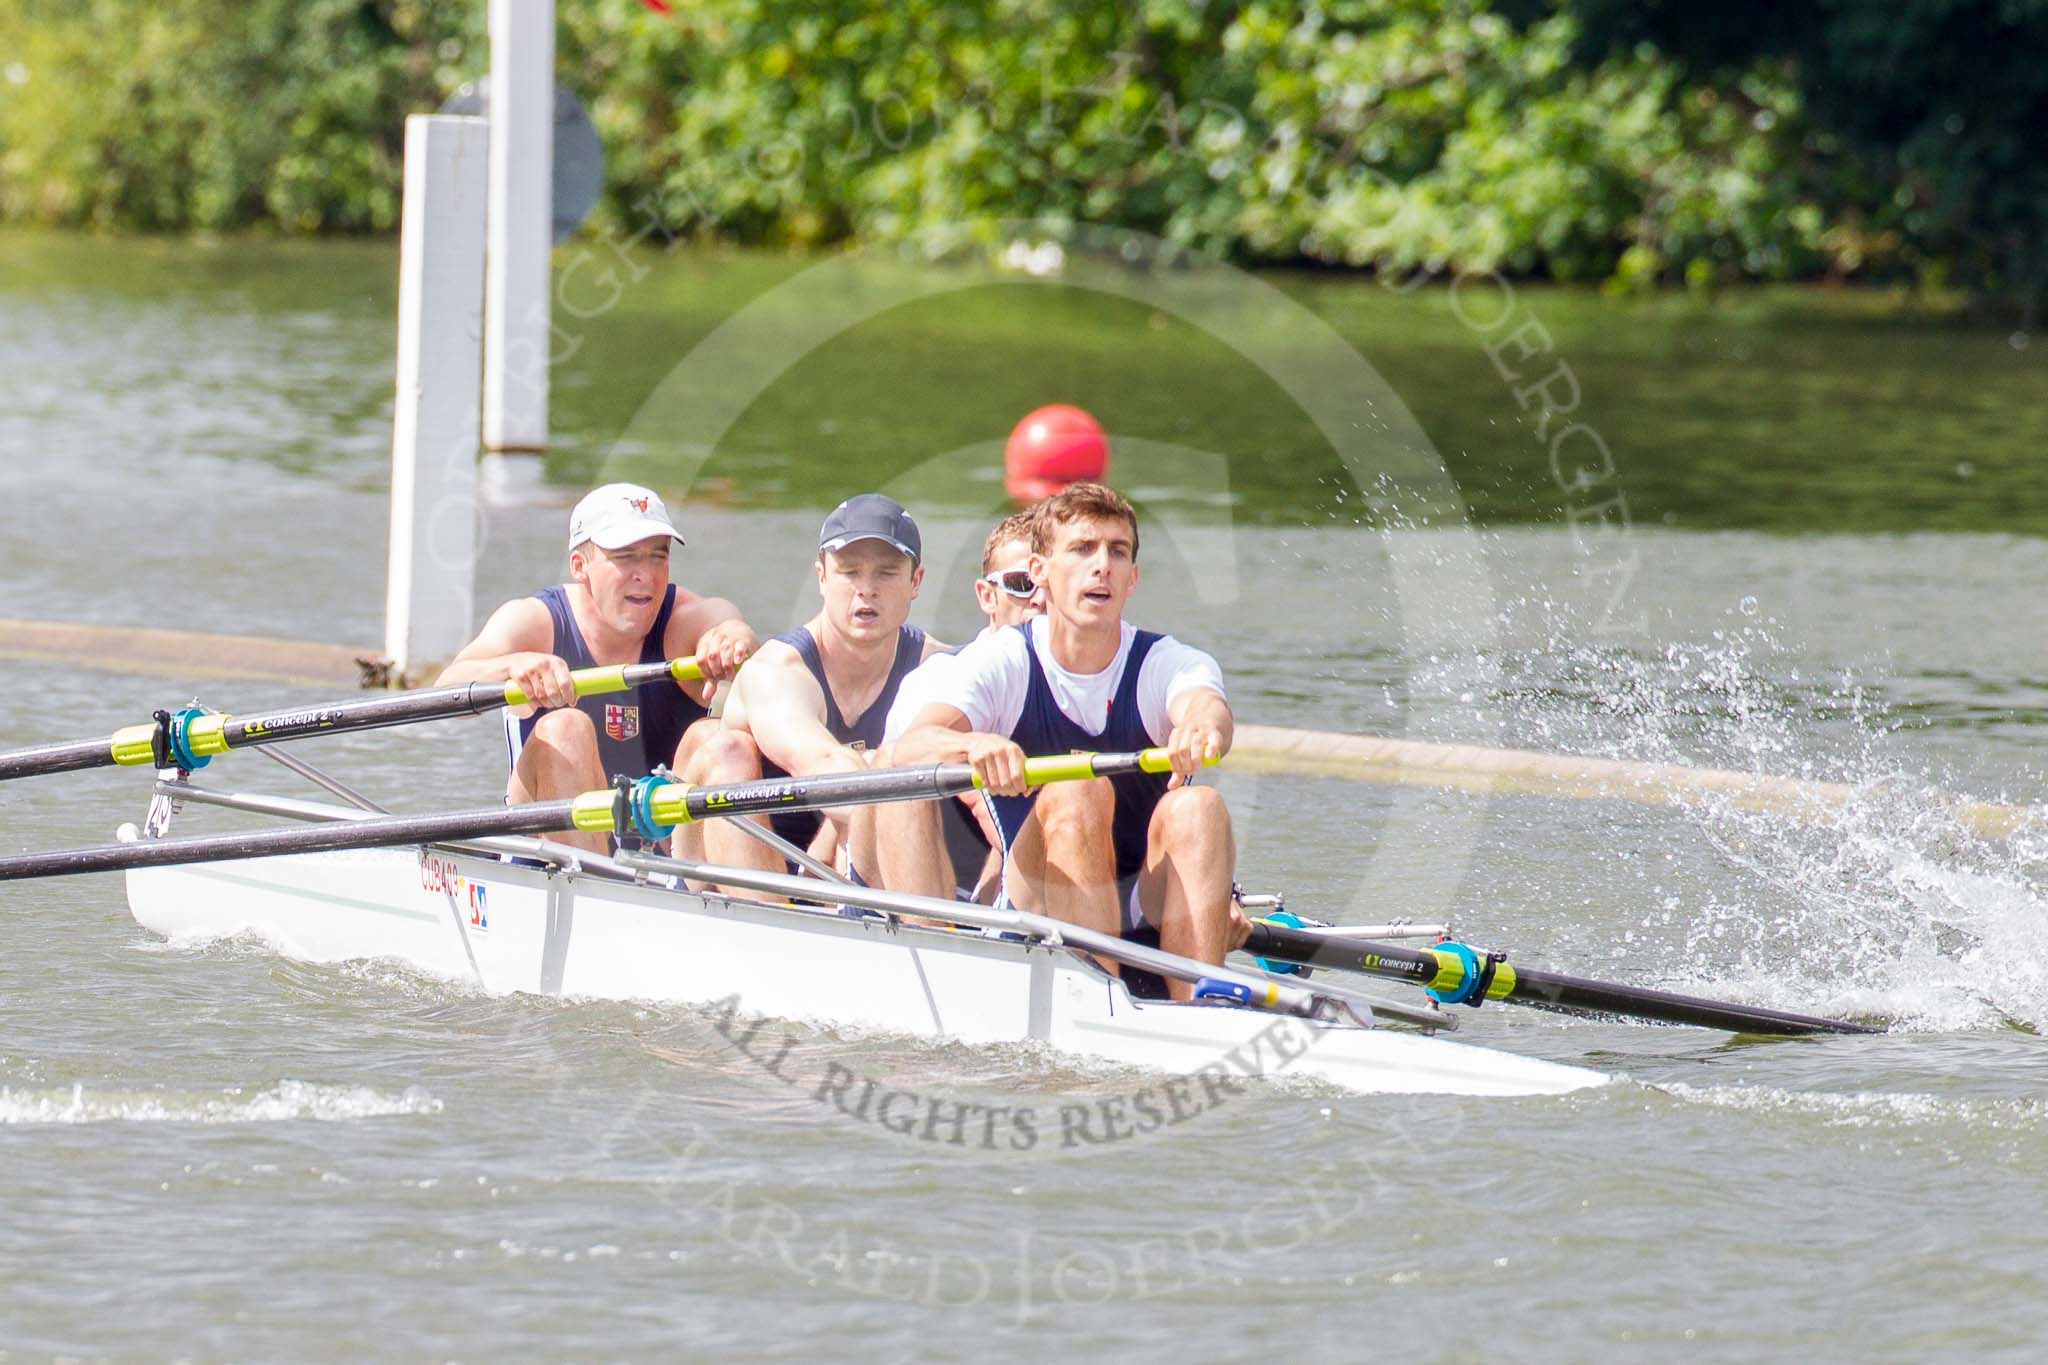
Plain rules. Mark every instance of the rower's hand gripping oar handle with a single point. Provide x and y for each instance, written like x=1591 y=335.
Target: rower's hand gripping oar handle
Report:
x=1081 y=767
x=591 y=682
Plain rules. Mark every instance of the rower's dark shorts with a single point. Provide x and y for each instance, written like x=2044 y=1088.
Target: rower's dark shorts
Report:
x=1143 y=985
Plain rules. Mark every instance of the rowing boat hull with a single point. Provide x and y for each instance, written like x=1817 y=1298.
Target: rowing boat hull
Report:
x=507 y=928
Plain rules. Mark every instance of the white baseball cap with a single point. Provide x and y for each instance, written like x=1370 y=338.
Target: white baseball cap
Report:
x=618 y=515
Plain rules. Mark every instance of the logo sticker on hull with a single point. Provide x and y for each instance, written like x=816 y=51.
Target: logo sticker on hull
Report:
x=468 y=899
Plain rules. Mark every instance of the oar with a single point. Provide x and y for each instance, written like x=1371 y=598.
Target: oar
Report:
x=649 y=807
x=202 y=736
x=1458 y=975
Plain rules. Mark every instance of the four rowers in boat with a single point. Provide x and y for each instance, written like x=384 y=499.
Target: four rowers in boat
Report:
x=1147 y=856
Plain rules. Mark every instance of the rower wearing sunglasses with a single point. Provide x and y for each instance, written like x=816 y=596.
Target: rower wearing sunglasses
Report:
x=1150 y=857
x=1006 y=591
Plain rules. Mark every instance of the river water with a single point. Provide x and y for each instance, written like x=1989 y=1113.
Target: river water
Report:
x=211 y=1152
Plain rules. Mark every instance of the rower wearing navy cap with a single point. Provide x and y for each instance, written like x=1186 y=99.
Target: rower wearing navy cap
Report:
x=618 y=607
x=813 y=700
x=1146 y=856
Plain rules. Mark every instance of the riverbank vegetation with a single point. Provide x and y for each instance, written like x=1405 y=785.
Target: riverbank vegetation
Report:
x=1575 y=140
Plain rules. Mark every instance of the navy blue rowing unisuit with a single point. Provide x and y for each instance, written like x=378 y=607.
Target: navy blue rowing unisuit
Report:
x=800 y=827
x=1043 y=728
x=636 y=730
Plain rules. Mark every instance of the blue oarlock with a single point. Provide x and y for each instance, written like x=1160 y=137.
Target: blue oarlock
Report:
x=642 y=808
x=1209 y=988
x=1292 y=921
x=1470 y=983
x=181 y=754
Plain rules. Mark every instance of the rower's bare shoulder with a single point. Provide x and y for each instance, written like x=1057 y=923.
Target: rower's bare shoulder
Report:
x=698 y=614
x=521 y=624
x=773 y=655
x=782 y=685
x=774 y=670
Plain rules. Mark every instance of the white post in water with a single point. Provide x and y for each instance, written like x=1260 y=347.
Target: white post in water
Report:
x=432 y=587
x=522 y=114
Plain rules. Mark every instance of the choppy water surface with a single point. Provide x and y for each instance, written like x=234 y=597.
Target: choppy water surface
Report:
x=208 y=1151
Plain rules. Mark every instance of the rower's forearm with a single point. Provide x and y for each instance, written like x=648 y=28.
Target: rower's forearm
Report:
x=496 y=669
x=822 y=761
x=931 y=744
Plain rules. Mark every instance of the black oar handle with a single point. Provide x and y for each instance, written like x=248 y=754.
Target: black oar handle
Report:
x=1538 y=988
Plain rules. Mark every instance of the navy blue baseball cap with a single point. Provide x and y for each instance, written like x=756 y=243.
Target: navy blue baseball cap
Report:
x=871 y=516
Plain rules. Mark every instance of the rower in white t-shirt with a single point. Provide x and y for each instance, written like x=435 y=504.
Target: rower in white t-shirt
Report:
x=1148 y=856
x=970 y=864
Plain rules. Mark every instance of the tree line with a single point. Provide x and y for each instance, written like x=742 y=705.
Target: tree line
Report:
x=1635 y=142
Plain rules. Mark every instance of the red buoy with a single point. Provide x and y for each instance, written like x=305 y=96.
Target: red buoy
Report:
x=1052 y=447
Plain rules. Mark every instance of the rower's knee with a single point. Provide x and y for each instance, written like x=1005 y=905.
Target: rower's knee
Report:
x=1076 y=810
x=566 y=730
x=726 y=756
x=699 y=734
x=1186 y=816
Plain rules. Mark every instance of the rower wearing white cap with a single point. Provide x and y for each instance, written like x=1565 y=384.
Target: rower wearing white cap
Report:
x=618 y=607
x=814 y=699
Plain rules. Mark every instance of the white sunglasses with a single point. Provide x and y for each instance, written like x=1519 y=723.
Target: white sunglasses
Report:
x=1015 y=582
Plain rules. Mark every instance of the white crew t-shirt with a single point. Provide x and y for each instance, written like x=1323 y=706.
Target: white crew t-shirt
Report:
x=915 y=689
x=988 y=681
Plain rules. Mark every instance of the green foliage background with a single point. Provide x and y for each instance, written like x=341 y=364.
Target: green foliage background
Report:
x=1587 y=140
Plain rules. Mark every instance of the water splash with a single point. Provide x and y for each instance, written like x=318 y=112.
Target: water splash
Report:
x=1870 y=1109
x=287 y=1100
x=1884 y=900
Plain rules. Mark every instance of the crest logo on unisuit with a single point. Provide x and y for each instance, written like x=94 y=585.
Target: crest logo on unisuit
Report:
x=621 y=722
